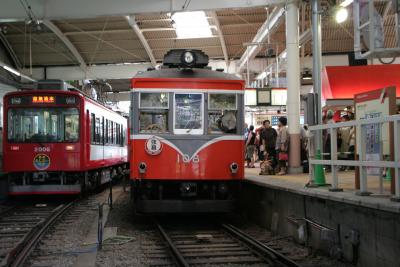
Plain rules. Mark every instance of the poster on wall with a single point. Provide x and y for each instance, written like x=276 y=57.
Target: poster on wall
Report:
x=375 y=104
x=259 y=118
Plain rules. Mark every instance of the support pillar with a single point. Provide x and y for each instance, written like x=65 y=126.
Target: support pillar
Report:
x=293 y=85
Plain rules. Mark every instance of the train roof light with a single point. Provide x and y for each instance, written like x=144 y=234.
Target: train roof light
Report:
x=188 y=58
x=185 y=58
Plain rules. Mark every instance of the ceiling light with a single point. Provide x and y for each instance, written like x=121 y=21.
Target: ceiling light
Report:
x=346 y=3
x=12 y=70
x=341 y=15
x=193 y=24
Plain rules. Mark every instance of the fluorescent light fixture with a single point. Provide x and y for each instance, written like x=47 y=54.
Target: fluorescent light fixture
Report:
x=12 y=70
x=346 y=3
x=341 y=15
x=193 y=24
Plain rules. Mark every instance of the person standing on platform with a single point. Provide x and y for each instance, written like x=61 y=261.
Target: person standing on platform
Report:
x=282 y=145
x=268 y=138
x=250 y=147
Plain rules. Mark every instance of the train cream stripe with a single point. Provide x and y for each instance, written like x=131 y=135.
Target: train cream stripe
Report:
x=212 y=141
x=98 y=152
x=186 y=90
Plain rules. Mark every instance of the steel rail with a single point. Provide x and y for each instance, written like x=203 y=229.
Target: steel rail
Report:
x=30 y=244
x=258 y=246
x=178 y=257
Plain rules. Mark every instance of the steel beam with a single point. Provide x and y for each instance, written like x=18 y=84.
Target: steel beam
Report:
x=10 y=51
x=132 y=22
x=269 y=25
x=66 y=42
x=221 y=37
x=79 y=9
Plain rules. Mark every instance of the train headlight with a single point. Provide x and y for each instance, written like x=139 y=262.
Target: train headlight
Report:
x=188 y=58
x=234 y=167
x=142 y=167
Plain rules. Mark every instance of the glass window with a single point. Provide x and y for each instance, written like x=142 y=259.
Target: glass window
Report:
x=188 y=114
x=222 y=101
x=222 y=113
x=106 y=133
x=153 y=121
x=44 y=125
x=98 y=131
x=71 y=122
x=154 y=100
x=93 y=128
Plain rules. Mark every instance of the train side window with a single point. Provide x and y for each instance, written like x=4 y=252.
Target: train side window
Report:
x=153 y=116
x=105 y=131
x=98 y=132
x=93 y=129
x=117 y=134
x=222 y=113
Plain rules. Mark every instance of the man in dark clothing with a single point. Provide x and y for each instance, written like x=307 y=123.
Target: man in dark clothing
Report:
x=268 y=140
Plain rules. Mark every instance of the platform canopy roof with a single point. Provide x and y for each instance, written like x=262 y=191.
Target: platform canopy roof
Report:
x=94 y=32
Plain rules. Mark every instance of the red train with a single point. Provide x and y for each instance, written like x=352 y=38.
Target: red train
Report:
x=187 y=136
x=58 y=141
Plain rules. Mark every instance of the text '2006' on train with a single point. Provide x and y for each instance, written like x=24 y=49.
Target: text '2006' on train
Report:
x=186 y=136
x=58 y=141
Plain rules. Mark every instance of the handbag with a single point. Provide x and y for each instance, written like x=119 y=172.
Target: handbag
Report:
x=283 y=156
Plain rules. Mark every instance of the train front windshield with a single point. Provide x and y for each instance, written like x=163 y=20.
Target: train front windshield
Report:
x=44 y=125
x=189 y=113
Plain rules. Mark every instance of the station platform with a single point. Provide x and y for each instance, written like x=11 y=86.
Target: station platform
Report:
x=297 y=183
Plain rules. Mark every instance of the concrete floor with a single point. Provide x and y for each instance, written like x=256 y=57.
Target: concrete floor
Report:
x=297 y=183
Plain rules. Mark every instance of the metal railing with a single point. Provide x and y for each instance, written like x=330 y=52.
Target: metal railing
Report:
x=362 y=163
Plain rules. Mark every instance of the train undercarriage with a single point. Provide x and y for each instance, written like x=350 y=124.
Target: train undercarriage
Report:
x=160 y=196
x=36 y=183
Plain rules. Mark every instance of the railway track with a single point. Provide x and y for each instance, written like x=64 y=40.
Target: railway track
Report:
x=21 y=227
x=221 y=245
x=60 y=245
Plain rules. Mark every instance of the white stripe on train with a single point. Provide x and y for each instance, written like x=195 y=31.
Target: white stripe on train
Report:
x=166 y=141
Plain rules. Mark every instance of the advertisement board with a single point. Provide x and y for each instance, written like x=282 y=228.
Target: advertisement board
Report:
x=377 y=137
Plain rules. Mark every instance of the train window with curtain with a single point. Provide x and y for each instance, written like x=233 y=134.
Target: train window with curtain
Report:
x=222 y=113
x=188 y=113
x=153 y=116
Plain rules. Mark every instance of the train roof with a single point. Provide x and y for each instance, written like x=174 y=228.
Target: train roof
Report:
x=194 y=73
